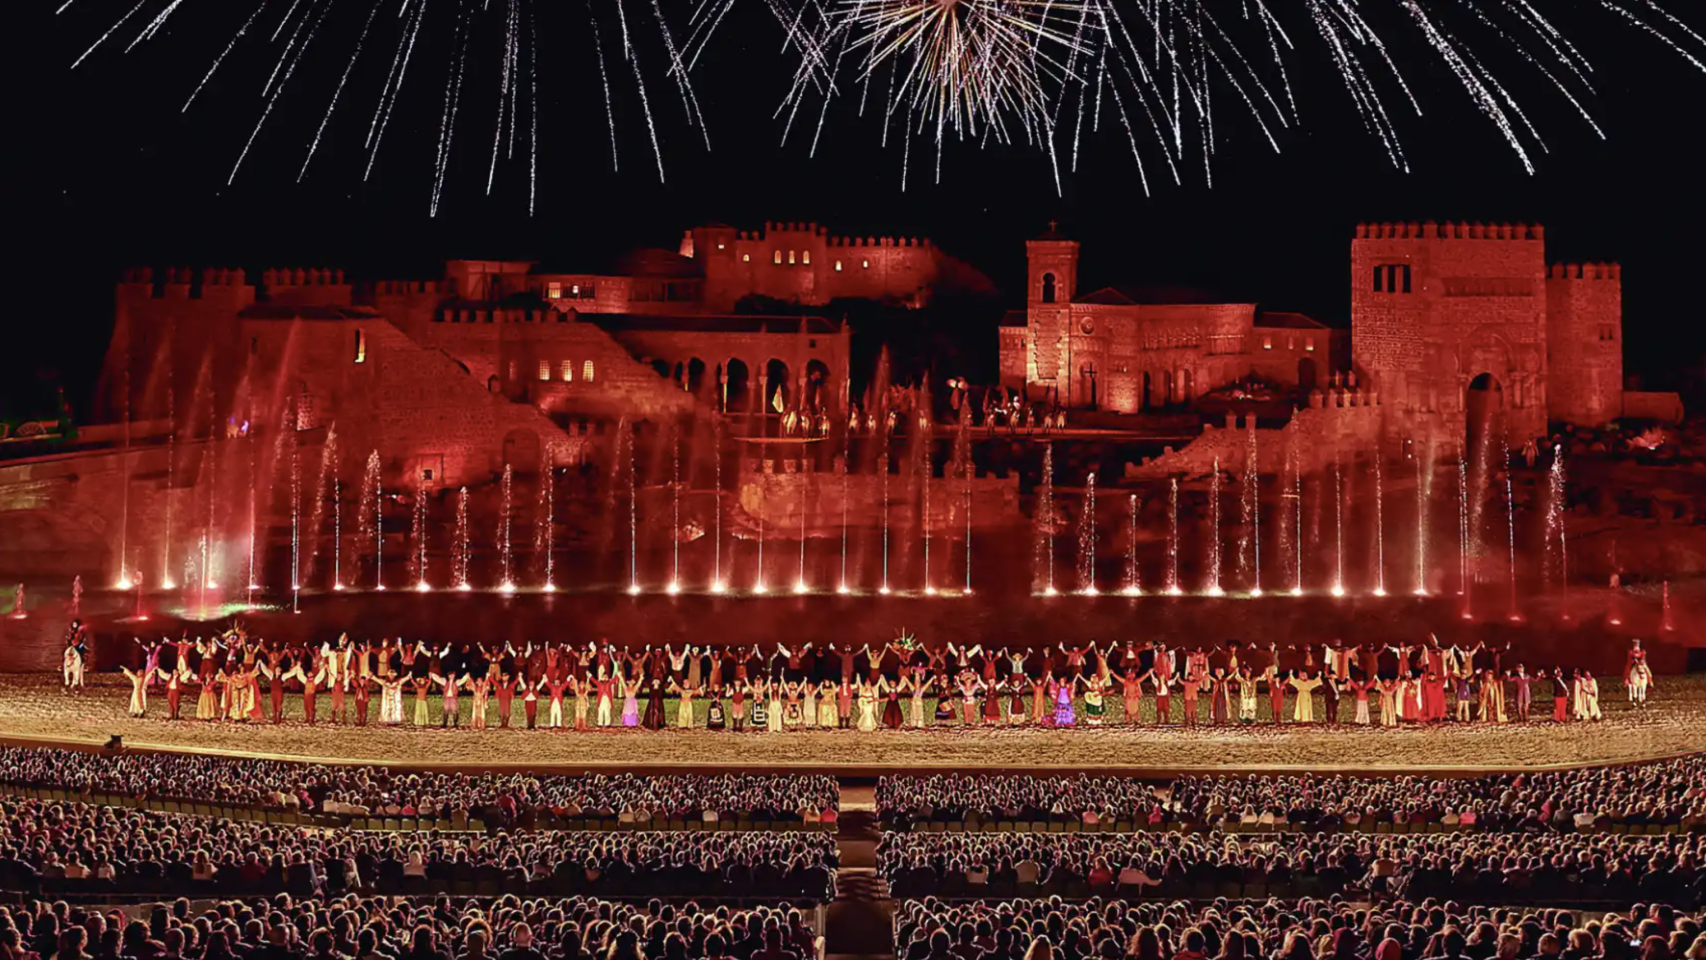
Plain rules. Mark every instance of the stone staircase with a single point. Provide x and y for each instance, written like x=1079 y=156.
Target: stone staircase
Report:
x=860 y=921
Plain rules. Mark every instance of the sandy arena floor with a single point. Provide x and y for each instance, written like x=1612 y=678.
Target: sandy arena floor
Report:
x=34 y=707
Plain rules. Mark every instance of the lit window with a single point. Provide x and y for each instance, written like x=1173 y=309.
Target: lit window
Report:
x=778 y=257
x=790 y=256
x=586 y=371
x=512 y=369
x=746 y=258
x=719 y=244
x=1309 y=344
x=555 y=291
x=838 y=266
x=805 y=256
x=575 y=290
x=1267 y=343
x=1291 y=343
x=865 y=263
x=544 y=369
x=568 y=370
x=360 y=347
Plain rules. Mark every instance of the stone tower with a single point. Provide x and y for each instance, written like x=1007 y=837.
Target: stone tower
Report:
x=1446 y=316
x=1051 y=283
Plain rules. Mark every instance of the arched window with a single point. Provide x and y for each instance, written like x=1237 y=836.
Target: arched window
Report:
x=544 y=369
x=568 y=371
x=806 y=257
x=586 y=371
x=778 y=258
x=838 y=266
x=790 y=256
x=1048 y=288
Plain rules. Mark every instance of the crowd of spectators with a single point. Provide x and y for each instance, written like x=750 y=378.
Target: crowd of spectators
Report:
x=1309 y=929
x=513 y=799
x=75 y=847
x=1669 y=793
x=1485 y=867
x=356 y=928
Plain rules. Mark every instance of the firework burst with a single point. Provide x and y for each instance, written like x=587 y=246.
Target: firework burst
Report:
x=386 y=41
x=1161 y=72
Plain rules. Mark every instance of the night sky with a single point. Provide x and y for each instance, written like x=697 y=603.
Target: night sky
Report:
x=107 y=172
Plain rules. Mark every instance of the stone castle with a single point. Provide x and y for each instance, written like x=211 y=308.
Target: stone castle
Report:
x=508 y=362
x=1439 y=314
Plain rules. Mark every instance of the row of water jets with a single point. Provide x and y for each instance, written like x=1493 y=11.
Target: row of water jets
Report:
x=307 y=531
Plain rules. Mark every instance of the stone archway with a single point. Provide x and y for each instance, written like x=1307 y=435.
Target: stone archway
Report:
x=1307 y=374
x=778 y=387
x=737 y=385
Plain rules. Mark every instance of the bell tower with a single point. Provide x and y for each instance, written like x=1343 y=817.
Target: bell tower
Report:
x=1051 y=283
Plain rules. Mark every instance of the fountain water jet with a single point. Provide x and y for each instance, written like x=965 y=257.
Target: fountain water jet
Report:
x=1214 y=587
x=1424 y=480
x=1464 y=588
x=171 y=485
x=626 y=432
x=1379 y=525
x=1087 y=539
x=1296 y=514
x=507 y=585
x=846 y=461
x=295 y=522
x=717 y=585
x=800 y=580
x=1555 y=508
x=459 y=560
x=1133 y=581
x=1173 y=588
x=420 y=533
x=544 y=533
x=1665 y=622
x=1045 y=519
x=337 y=534
x=372 y=517
x=1253 y=506
x=123 y=582
x=1339 y=527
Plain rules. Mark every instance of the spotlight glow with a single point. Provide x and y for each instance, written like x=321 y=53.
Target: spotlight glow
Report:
x=338 y=587
x=1051 y=591
x=1216 y=591
x=550 y=587
x=633 y=589
x=1297 y=591
x=1380 y=591
x=507 y=587
x=673 y=589
x=422 y=587
x=719 y=587
x=1175 y=591
x=1421 y=591
x=123 y=584
x=842 y=589
x=760 y=587
x=884 y=590
x=1255 y=591
x=800 y=586
x=463 y=587
x=1091 y=592
x=167 y=585
x=211 y=585
x=1133 y=592
x=1338 y=589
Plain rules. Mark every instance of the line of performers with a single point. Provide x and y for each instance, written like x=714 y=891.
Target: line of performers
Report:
x=899 y=684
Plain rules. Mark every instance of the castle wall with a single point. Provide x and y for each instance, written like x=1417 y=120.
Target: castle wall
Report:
x=411 y=403
x=775 y=494
x=801 y=263
x=1584 y=337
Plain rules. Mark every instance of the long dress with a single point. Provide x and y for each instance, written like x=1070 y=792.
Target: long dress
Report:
x=867 y=709
x=892 y=717
x=826 y=715
x=1094 y=706
x=1303 y=708
x=916 y=721
x=631 y=704
x=773 y=710
x=808 y=705
x=1063 y=716
x=654 y=705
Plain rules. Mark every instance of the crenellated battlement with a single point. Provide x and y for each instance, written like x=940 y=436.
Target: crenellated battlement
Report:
x=178 y=283
x=1429 y=230
x=919 y=242
x=301 y=277
x=1585 y=271
x=401 y=288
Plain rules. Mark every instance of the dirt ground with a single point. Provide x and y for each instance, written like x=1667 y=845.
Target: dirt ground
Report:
x=33 y=706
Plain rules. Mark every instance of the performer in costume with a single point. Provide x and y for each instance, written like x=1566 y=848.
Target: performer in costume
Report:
x=138 y=690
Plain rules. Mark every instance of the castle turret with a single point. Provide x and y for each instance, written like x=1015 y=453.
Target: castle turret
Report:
x=1051 y=283
x=1584 y=342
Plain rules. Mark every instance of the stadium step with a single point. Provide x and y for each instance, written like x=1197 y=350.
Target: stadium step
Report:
x=860 y=921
